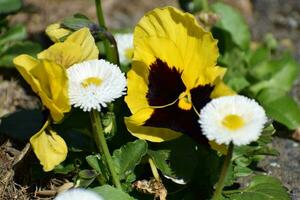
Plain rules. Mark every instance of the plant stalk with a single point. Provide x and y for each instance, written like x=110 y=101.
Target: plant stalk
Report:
x=154 y=170
x=102 y=146
x=220 y=185
x=99 y=11
x=109 y=42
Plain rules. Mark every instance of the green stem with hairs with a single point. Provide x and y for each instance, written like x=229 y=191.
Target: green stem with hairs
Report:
x=102 y=146
x=220 y=185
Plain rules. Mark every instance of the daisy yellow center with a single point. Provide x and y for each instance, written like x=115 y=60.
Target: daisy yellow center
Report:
x=91 y=81
x=129 y=53
x=185 y=101
x=233 y=122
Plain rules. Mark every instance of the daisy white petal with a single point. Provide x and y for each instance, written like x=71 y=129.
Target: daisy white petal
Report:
x=95 y=83
x=125 y=47
x=236 y=119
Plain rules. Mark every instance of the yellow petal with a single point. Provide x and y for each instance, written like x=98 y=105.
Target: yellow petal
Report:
x=84 y=38
x=55 y=32
x=78 y=47
x=189 y=46
x=135 y=126
x=49 y=81
x=24 y=64
x=49 y=148
x=137 y=87
x=221 y=89
x=63 y=53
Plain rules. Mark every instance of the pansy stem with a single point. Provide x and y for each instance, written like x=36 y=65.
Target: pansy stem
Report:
x=154 y=170
x=220 y=185
x=102 y=146
x=109 y=43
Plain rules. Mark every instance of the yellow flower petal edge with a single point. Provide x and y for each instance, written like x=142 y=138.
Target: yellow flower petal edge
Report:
x=78 y=47
x=49 y=81
x=49 y=147
x=55 y=32
x=134 y=125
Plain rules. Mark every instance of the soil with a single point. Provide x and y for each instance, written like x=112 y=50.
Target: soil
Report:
x=279 y=17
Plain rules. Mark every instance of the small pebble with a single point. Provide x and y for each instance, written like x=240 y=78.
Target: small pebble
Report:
x=274 y=164
x=295 y=144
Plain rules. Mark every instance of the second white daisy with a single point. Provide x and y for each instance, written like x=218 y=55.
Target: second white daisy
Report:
x=125 y=47
x=95 y=83
x=236 y=119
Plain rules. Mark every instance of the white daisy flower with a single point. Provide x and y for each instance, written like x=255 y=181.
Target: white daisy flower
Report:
x=95 y=83
x=125 y=47
x=236 y=119
x=78 y=194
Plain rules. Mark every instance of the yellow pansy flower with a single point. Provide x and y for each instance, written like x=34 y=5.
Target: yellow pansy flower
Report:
x=173 y=76
x=47 y=77
x=48 y=147
x=49 y=81
x=78 y=47
x=55 y=32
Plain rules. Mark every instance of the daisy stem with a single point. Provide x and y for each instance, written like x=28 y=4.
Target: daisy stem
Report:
x=154 y=170
x=102 y=146
x=109 y=43
x=220 y=185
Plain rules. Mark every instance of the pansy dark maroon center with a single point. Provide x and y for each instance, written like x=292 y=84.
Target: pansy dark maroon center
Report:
x=167 y=90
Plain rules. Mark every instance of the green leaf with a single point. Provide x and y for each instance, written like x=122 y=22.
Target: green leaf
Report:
x=128 y=156
x=232 y=22
x=86 y=177
x=280 y=107
x=235 y=76
x=260 y=55
x=108 y=192
x=161 y=160
x=77 y=140
x=22 y=124
x=8 y=6
x=87 y=174
x=16 y=49
x=240 y=171
x=76 y=22
x=279 y=74
x=64 y=168
x=76 y=131
x=270 y=42
x=98 y=165
x=15 y=33
x=94 y=162
x=245 y=156
x=260 y=188
x=183 y=157
x=266 y=136
x=238 y=83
